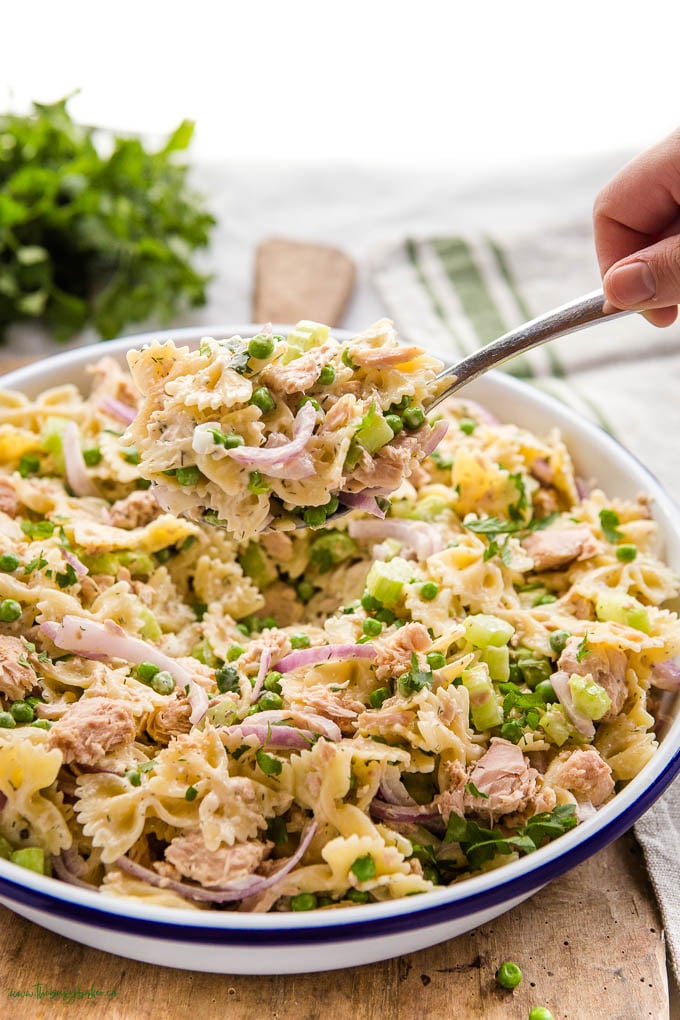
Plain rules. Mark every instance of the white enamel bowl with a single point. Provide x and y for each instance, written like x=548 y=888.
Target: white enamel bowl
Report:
x=232 y=943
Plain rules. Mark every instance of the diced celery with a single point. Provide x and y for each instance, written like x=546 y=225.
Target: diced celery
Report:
x=385 y=581
x=498 y=661
x=305 y=335
x=204 y=653
x=483 y=630
x=331 y=548
x=31 y=857
x=257 y=565
x=374 y=432
x=150 y=630
x=52 y=432
x=555 y=725
x=426 y=509
x=589 y=698
x=485 y=709
x=140 y=564
x=223 y=713
x=617 y=607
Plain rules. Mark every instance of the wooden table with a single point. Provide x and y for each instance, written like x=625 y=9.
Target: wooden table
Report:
x=590 y=945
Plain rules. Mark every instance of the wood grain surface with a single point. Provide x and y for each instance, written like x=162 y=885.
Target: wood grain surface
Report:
x=590 y=946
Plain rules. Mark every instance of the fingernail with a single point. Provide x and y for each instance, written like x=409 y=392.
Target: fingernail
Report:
x=632 y=284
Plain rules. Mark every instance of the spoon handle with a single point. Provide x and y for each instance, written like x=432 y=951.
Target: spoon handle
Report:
x=569 y=318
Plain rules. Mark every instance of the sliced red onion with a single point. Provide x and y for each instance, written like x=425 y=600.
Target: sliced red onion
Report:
x=93 y=640
x=393 y=791
x=582 y=488
x=77 y=477
x=278 y=456
x=584 y=725
x=66 y=866
x=273 y=736
x=666 y=676
x=265 y=663
x=422 y=813
x=364 y=501
x=541 y=470
x=424 y=539
x=79 y=567
x=319 y=724
x=117 y=409
x=324 y=653
x=250 y=886
x=436 y=434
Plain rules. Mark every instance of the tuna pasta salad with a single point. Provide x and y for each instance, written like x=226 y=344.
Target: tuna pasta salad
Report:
x=319 y=717
x=276 y=432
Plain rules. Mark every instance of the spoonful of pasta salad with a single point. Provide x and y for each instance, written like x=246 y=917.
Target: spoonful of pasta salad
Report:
x=279 y=432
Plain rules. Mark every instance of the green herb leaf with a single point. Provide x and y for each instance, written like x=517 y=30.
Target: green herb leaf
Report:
x=270 y=765
x=609 y=519
x=474 y=792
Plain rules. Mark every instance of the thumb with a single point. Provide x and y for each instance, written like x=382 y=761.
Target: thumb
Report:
x=649 y=280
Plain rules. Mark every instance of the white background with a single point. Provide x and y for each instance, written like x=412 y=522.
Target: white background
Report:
x=473 y=84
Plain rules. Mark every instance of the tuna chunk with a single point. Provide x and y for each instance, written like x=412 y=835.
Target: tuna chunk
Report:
x=92 y=727
x=16 y=676
x=389 y=466
x=170 y=720
x=584 y=773
x=393 y=653
x=451 y=799
x=605 y=664
x=136 y=510
x=299 y=375
x=8 y=500
x=557 y=547
x=215 y=868
x=507 y=779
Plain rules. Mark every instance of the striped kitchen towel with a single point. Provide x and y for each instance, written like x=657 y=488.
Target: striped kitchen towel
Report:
x=454 y=294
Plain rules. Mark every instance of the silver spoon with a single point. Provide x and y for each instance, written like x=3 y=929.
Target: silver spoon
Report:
x=569 y=318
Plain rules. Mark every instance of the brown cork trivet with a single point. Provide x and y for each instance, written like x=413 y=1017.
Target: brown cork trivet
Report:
x=297 y=280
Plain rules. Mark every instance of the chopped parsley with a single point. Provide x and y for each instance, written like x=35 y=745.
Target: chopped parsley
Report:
x=609 y=519
x=481 y=845
x=474 y=792
x=270 y=765
x=583 y=649
x=37 y=529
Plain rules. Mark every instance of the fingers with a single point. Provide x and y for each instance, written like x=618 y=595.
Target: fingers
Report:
x=648 y=281
x=639 y=204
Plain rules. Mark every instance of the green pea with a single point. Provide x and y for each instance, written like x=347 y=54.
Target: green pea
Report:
x=231 y=442
x=8 y=562
x=163 y=682
x=413 y=418
x=191 y=793
x=558 y=640
x=300 y=641
x=309 y=400
x=385 y=616
x=327 y=375
x=435 y=660
x=395 y=423
x=314 y=516
x=263 y=399
x=261 y=346
x=429 y=591
x=256 y=483
x=369 y=603
x=270 y=700
x=540 y=1013
x=146 y=671
x=133 y=777
x=29 y=464
x=626 y=553
x=332 y=505
x=234 y=653
x=512 y=730
x=188 y=475
x=10 y=610
x=376 y=698
x=21 y=712
x=467 y=425
x=305 y=591
x=272 y=681
x=304 y=901
x=92 y=456
x=546 y=691
x=508 y=975
x=372 y=627
x=130 y=454
x=41 y=724
x=7 y=721
x=357 y=896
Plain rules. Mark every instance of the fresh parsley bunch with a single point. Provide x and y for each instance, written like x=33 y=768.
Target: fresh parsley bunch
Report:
x=94 y=229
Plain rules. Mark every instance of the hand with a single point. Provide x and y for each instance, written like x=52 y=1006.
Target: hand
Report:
x=636 y=221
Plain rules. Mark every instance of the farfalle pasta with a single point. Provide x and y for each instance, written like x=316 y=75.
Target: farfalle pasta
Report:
x=303 y=719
